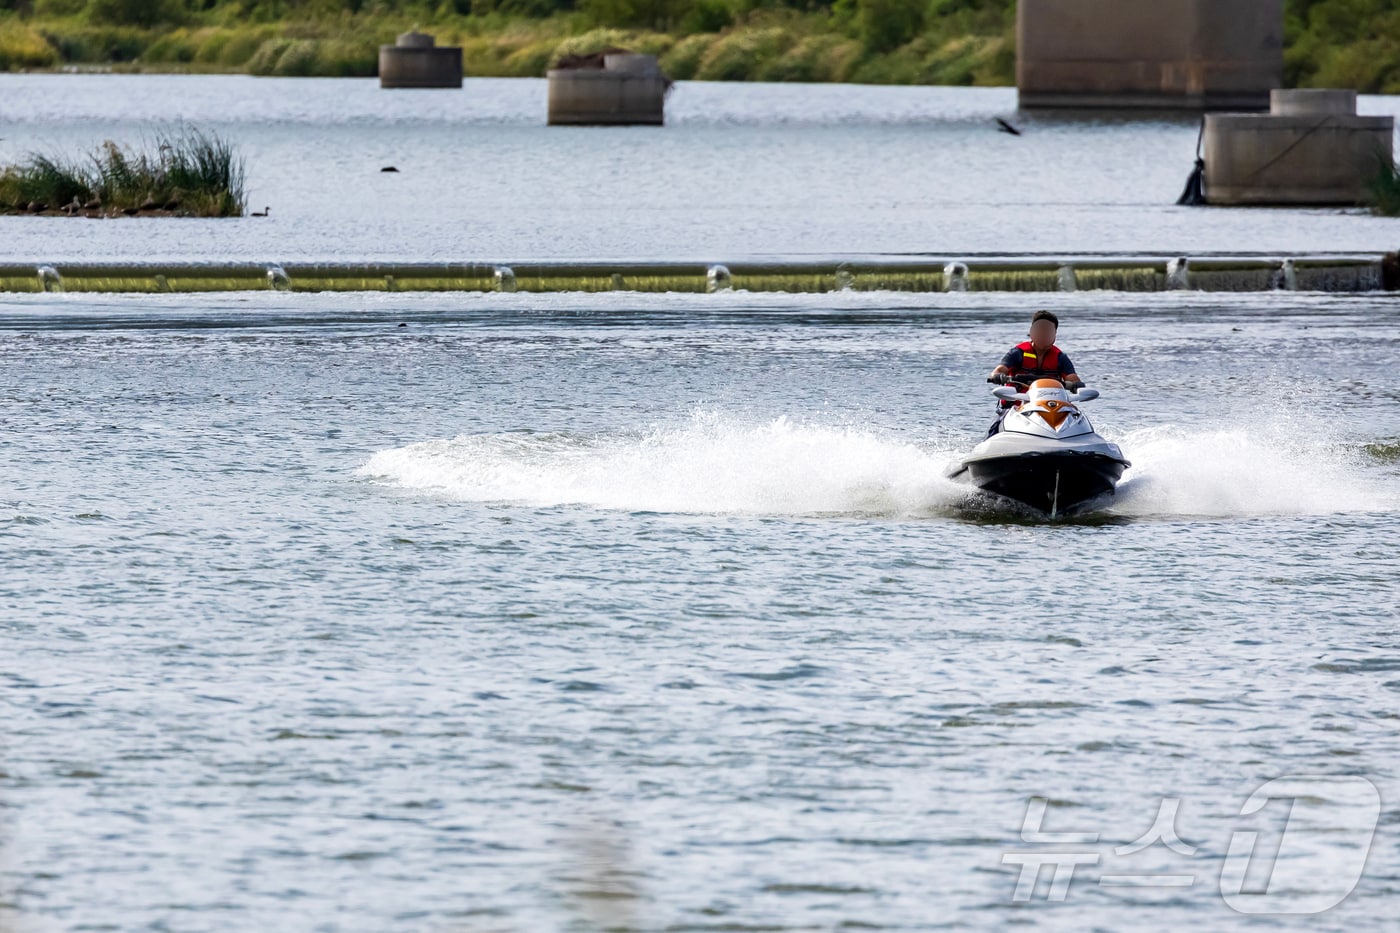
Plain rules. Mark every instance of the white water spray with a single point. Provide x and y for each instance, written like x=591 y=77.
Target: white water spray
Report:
x=719 y=464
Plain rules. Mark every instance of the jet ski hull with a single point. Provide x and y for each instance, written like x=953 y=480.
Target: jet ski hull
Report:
x=1053 y=482
x=1045 y=455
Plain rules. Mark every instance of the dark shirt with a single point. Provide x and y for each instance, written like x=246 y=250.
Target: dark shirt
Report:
x=1015 y=356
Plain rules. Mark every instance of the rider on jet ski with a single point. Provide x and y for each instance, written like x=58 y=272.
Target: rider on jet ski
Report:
x=1036 y=358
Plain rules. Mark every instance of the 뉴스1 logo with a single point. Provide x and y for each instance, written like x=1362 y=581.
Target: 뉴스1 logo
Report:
x=1309 y=865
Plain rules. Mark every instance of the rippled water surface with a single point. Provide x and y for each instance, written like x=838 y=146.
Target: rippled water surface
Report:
x=578 y=612
x=739 y=171
x=512 y=612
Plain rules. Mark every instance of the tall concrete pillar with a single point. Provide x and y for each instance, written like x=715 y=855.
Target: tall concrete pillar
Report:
x=1149 y=54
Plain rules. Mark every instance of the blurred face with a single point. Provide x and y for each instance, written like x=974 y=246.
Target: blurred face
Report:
x=1043 y=334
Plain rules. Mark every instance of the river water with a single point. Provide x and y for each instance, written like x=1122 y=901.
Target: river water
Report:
x=741 y=170
x=520 y=612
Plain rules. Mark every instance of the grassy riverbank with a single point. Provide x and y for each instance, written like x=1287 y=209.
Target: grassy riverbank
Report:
x=768 y=45
x=1346 y=43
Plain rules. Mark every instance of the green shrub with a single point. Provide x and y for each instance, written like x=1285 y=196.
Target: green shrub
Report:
x=347 y=58
x=144 y=13
x=106 y=44
x=200 y=171
x=823 y=57
x=43 y=179
x=299 y=59
x=530 y=61
x=682 y=62
x=885 y=25
x=645 y=14
x=485 y=56
x=1342 y=43
x=174 y=46
x=49 y=9
x=22 y=47
x=706 y=16
x=1385 y=190
x=209 y=44
x=264 y=60
x=738 y=56
x=596 y=40
x=239 y=48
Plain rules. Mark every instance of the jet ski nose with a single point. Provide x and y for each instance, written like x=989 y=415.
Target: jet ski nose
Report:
x=1051 y=402
x=1048 y=389
x=1054 y=413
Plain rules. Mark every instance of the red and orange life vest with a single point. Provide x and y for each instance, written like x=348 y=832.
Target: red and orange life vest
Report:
x=1046 y=367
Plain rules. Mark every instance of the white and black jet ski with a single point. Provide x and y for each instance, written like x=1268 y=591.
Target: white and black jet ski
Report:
x=1047 y=455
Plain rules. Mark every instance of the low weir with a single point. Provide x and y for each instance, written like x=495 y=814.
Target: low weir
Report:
x=1248 y=273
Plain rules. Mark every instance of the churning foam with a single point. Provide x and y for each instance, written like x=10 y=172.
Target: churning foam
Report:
x=718 y=464
x=1229 y=472
x=710 y=464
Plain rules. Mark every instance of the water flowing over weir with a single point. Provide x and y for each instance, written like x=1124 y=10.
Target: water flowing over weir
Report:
x=1127 y=273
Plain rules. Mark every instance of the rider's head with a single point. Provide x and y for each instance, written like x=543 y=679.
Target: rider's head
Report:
x=1044 y=326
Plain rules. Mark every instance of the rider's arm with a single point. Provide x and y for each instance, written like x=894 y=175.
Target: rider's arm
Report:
x=1012 y=358
x=1067 y=373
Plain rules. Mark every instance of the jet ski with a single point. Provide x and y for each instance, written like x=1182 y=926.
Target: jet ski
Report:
x=1047 y=455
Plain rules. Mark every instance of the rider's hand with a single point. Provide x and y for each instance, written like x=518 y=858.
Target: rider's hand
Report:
x=1000 y=379
x=1076 y=386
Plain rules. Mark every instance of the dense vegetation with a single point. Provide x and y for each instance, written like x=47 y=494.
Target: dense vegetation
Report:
x=1347 y=43
x=1385 y=192
x=189 y=173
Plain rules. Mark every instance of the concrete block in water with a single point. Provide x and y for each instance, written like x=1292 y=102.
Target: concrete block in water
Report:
x=417 y=61
x=1311 y=148
x=1153 y=54
x=615 y=89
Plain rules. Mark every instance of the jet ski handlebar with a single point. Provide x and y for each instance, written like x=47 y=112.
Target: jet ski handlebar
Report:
x=1024 y=382
x=1003 y=379
x=1008 y=391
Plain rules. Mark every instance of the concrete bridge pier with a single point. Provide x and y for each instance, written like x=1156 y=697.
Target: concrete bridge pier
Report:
x=612 y=89
x=1310 y=148
x=416 y=60
x=1149 y=54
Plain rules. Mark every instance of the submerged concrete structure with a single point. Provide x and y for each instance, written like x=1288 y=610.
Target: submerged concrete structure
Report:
x=1149 y=54
x=613 y=88
x=1311 y=148
x=416 y=60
